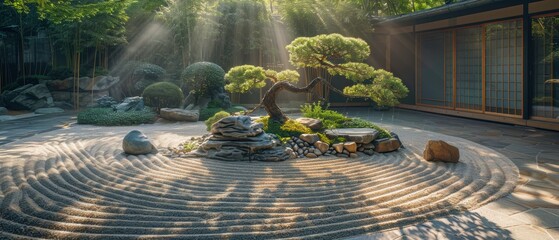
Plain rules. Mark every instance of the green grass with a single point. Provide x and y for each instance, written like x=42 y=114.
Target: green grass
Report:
x=108 y=117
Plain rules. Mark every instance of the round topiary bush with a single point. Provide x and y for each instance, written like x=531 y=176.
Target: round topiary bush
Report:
x=162 y=94
x=203 y=78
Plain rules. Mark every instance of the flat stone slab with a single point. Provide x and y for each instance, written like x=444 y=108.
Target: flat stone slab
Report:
x=177 y=114
x=357 y=135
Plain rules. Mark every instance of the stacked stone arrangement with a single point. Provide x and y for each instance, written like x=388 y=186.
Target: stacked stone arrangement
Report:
x=237 y=138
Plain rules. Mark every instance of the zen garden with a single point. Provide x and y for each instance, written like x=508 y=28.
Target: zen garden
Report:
x=279 y=119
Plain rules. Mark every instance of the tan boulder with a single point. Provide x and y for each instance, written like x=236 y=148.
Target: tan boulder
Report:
x=310 y=138
x=438 y=150
x=339 y=147
x=386 y=145
x=351 y=147
x=322 y=146
x=177 y=114
x=312 y=123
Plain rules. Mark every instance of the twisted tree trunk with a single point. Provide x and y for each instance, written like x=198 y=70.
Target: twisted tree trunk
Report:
x=269 y=100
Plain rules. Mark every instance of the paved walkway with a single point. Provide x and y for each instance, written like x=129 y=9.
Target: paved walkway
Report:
x=530 y=212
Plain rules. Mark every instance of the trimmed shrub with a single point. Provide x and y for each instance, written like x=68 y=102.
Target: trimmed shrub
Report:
x=203 y=78
x=208 y=113
x=215 y=118
x=162 y=95
x=108 y=117
x=290 y=128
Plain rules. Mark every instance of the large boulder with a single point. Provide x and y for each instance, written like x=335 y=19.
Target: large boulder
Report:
x=31 y=98
x=61 y=85
x=384 y=145
x=438 y=150
x=136 y=143
x=312 y=123
x=177 y=114
x=236 y=138
x=130 y=104
x=100 y=83
x=357 y=135
x=7 y=96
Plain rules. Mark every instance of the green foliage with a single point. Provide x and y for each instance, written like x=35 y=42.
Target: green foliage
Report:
x=162 y=95
x=108 y=117
x=148 y=71
x=385 y=90
x=203 y=78
x=360 y=123
x=288 y=129
x=337 y=54
x=215 y=118
x=324 y=138
x=246 y=77
x=330 y=119
x=208 y=112
x=190 y=146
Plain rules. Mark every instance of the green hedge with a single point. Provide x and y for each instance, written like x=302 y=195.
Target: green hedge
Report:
x=108 y=117
x=162 y=95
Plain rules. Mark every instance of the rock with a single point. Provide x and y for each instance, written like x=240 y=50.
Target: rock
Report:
x=295 y=147
x=369 y=152
x=305 y=151
x=358 y=135
x=386 y=145
x=309 y=138
x=353 y=155
x=177 y=114
x=341 y=155
x=7 y=96
x=31 y=98
x=236 y=138
x=360 y=149
x=311 y=155
x=317 y=152
x=291 y=153
x=345 y=152
x=49 y=110
x=312 y=123
x=105 y=102
x=86 y=99
x=394 y=135
x=61 y=85
x=100 y=83
x=321 y=146
x=130 y=104
x=368 y=146
x=350 y=147
x=300 y=151
x=3 y=110
x=136 y=143
x=339 y=147
x=438 y=150
x=236 y=127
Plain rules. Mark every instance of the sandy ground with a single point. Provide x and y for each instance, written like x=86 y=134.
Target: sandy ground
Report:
x=77 y=183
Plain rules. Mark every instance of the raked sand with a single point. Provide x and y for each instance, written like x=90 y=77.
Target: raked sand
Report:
x=76 y=183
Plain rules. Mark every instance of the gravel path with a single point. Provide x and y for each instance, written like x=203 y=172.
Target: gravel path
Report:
x=76 y=183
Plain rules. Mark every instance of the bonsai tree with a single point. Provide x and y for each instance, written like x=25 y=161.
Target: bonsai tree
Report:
x=385 y=90
x=335 y=53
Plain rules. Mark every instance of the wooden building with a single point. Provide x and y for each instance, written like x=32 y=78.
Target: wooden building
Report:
x=495 y=60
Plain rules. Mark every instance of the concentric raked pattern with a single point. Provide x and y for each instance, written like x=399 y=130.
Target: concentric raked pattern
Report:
x=76 y=183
